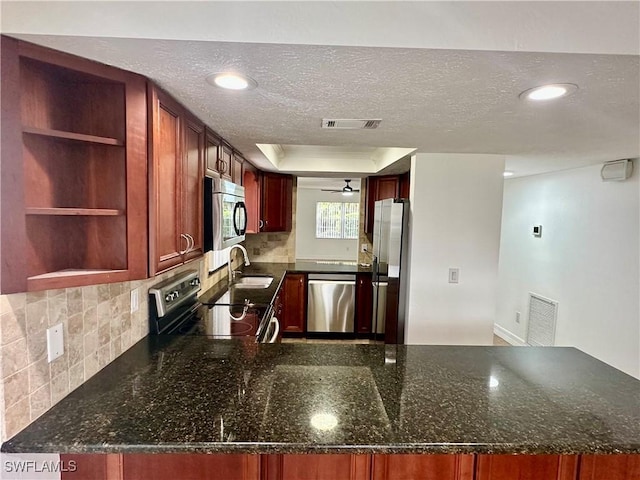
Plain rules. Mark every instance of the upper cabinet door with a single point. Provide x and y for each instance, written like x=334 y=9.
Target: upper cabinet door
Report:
x=225 y=158
x=236 y=168
x=192 y=186
x=166 y=242
x=212 y=143
x=176 y=184
x=251 y=183
x=379 y=188
x=277 y=191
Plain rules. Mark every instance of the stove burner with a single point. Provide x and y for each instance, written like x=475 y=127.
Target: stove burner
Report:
x=181 y=313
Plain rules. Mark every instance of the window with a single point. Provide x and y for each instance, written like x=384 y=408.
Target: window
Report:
x=337 y=220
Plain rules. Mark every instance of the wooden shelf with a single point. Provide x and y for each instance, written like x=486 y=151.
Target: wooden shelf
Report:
x=70 y=272
x=92 y=212
x=80 y=137
x=74 y=278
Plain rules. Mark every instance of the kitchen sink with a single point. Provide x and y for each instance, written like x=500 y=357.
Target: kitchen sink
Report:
x=253 y=282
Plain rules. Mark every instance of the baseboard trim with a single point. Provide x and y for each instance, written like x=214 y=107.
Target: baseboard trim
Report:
x=507 y=336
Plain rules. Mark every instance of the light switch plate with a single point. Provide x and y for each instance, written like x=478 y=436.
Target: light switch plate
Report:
x=55 y=342
x=454 y=275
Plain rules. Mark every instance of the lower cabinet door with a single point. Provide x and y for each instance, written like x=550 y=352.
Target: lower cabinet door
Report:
x=190 y=467
x=294 y=298
x=609 y=467
x=316 y=467
x=87 y=466
x=423 y=467
x=527 y=467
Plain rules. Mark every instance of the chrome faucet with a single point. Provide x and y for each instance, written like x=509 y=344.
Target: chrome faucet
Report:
x=232 y=273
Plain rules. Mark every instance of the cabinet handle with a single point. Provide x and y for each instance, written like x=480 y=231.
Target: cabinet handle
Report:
x=261 y=225
x=182 y=252
x=191 y=241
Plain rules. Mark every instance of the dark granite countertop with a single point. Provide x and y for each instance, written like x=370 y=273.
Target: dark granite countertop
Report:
x=264 y=296
x=194 y=394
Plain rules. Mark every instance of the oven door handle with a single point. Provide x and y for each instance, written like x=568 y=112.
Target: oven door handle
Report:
x=275 y=321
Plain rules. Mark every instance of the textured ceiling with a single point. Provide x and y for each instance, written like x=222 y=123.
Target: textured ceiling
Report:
x=433 y=100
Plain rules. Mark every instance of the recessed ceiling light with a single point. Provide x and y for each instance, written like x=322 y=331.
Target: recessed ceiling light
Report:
x=549 y=92
x=507 y=173
x=232 y=81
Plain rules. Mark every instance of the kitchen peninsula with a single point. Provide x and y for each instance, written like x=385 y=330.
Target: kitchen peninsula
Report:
x=381 y=412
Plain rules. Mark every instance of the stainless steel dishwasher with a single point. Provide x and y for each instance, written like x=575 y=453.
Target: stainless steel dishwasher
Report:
x=331 y=301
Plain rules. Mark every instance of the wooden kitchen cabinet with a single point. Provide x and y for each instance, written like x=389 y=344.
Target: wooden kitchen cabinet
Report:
x=364 y=307
x=609 y=467
x=74 y=163
x=351 y=467
x=527 y=467
x=252 y=195
x=211 y=144
x=276 y=202
x=405 y=185
x=423 y=467
x=221 y=159
x=293 y=294
x=316 y=467
x=379 y=188
x=192 y=186
x=225 y=160
x=175 y=183
x=191 y=467
x=236 y=168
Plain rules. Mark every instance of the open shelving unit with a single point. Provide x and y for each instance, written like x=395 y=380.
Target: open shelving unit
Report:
x=82 y=136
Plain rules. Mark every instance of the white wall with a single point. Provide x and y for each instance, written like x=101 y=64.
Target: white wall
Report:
x=456 y=206
x=587 y=259
x=308 y=247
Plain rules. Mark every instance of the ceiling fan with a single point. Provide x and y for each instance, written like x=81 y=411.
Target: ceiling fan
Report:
x=347 y=190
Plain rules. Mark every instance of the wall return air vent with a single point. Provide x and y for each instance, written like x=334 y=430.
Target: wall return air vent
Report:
x=351 y=123
x=541 y=329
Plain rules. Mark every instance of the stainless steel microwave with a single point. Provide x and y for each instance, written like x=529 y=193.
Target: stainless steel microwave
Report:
x=225 y=214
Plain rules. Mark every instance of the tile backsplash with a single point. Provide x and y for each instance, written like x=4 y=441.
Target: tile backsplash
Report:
x=98 y=326
x=271 y=247
x=364 y=257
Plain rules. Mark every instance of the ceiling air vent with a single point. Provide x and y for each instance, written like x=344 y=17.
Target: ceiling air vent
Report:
x=351 y=123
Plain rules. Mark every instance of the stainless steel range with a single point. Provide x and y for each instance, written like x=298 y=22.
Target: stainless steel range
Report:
x=174 y=309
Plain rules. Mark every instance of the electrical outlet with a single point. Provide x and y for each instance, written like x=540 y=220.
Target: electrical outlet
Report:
x=364 y=248
x=134 y=300
x=55 y=342
x=454 y=275
x=517 y=317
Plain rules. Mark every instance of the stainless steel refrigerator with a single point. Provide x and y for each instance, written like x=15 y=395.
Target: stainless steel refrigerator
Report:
x=390 y=261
